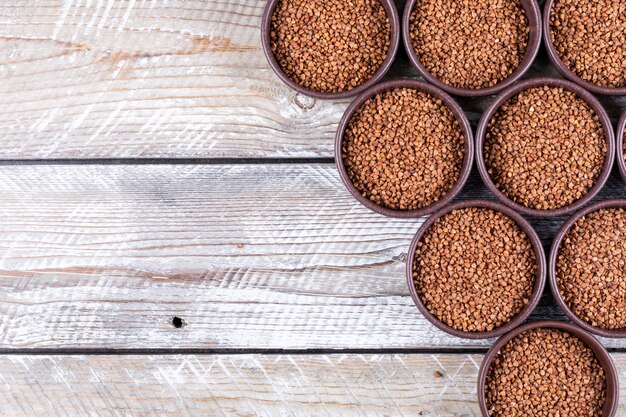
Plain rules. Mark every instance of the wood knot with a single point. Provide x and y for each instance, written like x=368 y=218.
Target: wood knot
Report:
x=304 y=102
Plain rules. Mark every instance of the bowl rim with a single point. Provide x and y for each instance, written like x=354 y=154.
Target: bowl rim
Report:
x=540 y=276
x=619 y=148
x=554 y=251
x=533 y=14
x=602 y=355
x=511 y=91
x=562 y=68
x=450 y=103
x=394 y=43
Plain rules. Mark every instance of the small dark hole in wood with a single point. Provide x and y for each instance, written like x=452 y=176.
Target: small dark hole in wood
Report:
x=178 y=322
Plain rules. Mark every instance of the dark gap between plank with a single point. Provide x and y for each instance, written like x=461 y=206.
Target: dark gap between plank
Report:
x=168 y=161
x=194 y=351
x=267 y=352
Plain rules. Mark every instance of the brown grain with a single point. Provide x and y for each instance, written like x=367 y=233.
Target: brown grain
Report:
x=545 y=148
x=469 y=44
x=591 y=268
x=590 y=39
x=330 y=46
x=403 y=149
x=474 y=269
x=545 y=373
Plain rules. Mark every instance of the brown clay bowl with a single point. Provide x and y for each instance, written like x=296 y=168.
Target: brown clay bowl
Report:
x=619 y=149
x=603 y=357
x=533 y=13
x=458 y=113
x=394 y=21
x=554 y=286
x=552 y=82
x=562 y=68
x=540 y=279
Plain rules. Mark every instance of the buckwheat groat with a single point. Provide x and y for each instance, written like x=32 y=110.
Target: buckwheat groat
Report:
x=545 y=148
x=330 y=46
x=474 y=269
x=590 y=39
x=469 y=44
x=403 y=149
x=591 y=268
x=545 y=373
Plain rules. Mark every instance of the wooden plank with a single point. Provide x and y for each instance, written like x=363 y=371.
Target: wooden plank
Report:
x=249 y=256
x=244 y=385
x=260 y=256
x=122 y=79
x=138 y=78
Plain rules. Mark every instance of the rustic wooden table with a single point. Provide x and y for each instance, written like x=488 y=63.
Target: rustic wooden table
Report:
x=175 y=240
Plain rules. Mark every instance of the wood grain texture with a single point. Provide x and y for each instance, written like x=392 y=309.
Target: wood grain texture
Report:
x=139 y=78
x=249 y=256
x=244 y=385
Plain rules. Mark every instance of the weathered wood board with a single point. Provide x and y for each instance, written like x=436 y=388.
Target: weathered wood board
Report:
x=126 y=79
x=244 y=385
x=249 y=256
x=147 y=79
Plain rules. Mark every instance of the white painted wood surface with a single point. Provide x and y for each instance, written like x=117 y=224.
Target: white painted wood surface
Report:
x=138 y=78
x=244 y=385
x=250 y=256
